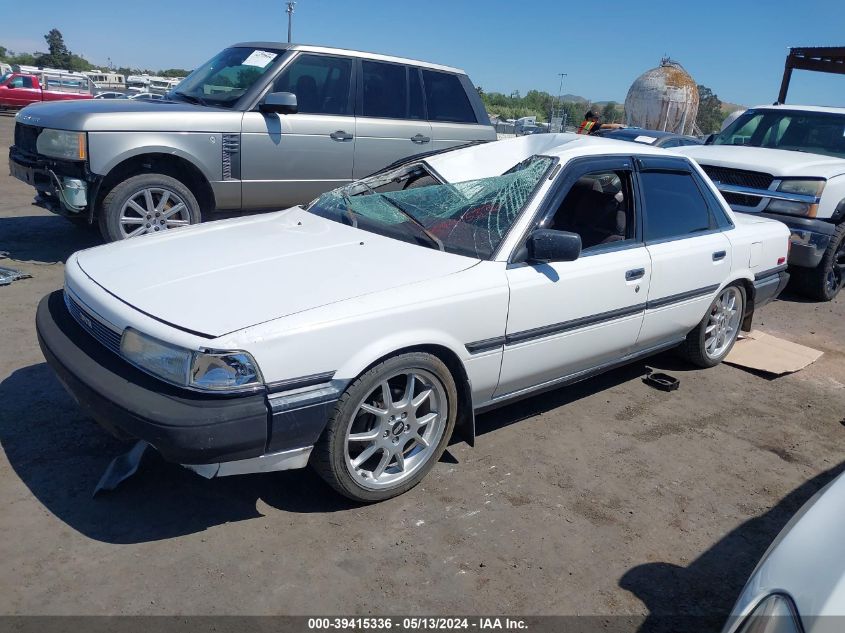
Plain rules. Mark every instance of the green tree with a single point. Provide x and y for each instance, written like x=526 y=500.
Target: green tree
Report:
x=3 y=52
x=710 y=115
x=59 y=55
x=610 y=112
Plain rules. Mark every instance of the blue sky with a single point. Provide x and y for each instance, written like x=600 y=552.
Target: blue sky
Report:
x=735 y=48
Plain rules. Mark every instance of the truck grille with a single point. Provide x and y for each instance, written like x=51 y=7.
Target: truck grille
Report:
x=95 y=326
x=26 y=137
x=739 y=177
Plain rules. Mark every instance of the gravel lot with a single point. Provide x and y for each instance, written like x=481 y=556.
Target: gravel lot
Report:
x=604 y=498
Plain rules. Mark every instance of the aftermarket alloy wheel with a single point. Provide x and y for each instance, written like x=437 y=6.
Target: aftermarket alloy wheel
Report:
x=149 y=203
x=389 y=428
x=713 y=338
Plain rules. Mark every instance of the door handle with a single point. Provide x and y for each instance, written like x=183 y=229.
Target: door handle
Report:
x=419 y=138
x=636 y=273
x=719 y=255
x=340 y=135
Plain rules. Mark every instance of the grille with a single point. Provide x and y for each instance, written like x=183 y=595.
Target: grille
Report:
x=741 y=200
x=26 y=137
x=93 y=325
x=739 y=177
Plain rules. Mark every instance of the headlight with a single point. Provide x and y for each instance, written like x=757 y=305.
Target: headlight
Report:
x=62 y=144
x=206 y=371
x=812 y=188
x=775 y=614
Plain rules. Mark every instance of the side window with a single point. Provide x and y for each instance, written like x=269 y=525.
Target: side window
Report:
x=716 y=209
x=446 y=98
x=599 y=207
x=385 y=90
x=320 y=83
x=674 y=206
x=416 y=105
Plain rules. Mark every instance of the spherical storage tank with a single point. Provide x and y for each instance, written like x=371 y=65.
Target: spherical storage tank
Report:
x=663 y=98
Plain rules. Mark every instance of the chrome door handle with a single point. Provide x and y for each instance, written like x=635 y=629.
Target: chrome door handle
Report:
x=636 y=273
x=419 y=138
x=340 y=135
x=719 y=255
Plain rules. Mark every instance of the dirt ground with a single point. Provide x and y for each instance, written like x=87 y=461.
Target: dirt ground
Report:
x=604 y=498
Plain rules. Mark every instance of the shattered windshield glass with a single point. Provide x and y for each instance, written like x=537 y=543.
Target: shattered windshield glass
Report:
x=465 y=218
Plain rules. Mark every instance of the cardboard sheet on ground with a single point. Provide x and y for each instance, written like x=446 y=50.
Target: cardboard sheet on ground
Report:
x=764 y=352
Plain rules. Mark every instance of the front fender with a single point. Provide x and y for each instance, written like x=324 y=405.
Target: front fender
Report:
x=203 y=150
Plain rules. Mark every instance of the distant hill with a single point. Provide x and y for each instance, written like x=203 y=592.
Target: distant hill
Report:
x=728 y=107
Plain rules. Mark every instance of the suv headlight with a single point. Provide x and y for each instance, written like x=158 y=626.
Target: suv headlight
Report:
x=775 y=614
x=62 y=144
x=810 y=187
x=205 y=371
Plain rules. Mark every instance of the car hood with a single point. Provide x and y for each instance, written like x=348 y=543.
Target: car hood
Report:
x=220 y=277
x=778 y=162
x=807 y=561
x=122 y=115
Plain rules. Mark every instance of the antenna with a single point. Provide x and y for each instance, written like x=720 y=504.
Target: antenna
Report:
x=289 y=11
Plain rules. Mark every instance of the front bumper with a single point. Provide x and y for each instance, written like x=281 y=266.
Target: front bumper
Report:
x=36 y=171
x=224 y=435
x=810 y=238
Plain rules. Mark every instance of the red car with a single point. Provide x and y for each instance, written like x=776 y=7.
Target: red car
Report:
x=20 y=89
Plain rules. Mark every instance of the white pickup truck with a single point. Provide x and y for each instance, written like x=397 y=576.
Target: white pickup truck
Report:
x=787 y=162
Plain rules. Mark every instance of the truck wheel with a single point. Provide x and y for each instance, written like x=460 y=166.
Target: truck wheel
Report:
x=713 y=338
x=389 y=428
x=824 y=282
x=148 y=203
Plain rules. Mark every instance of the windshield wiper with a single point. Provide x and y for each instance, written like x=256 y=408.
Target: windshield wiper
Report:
x=190 y=98
x=433 y=238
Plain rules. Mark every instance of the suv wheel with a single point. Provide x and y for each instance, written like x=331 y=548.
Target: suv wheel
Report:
x=389 y=428
x=825 y=281
x=148 y=203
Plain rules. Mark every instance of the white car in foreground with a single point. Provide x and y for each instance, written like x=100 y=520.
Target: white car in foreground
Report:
x=799 y=584
x=357 y=333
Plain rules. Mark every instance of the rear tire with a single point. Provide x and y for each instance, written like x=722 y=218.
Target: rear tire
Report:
x=824 y=282
x=713 y=338
x=387 y=431
x=148 y=203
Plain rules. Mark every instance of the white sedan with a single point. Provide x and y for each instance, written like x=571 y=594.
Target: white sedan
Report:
x=357 y=333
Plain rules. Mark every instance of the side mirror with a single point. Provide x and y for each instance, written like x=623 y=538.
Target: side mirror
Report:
x=279 y=102
x=709 y=139
x=548 y=245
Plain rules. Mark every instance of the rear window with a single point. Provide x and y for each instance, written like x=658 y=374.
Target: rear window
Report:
x=674 y=205
x=446 y=98
x=385 y=90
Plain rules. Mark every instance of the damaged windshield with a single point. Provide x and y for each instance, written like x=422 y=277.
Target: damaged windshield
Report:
x=465 y=218
x=799 y=131
x=221 y=81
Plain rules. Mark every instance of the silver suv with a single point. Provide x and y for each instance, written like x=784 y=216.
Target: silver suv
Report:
x=260 y=126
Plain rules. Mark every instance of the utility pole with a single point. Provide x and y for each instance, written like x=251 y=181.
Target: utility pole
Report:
x=289 y=11
x=559 y=92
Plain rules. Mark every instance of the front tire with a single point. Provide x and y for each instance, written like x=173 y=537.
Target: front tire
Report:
x=148 y=203
x=824 y=282
x=389 y=428
x=712 y=339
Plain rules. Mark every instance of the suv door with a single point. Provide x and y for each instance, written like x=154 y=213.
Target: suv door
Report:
x=690 y=254
x=288 y=159
x=390 y=122
x=565 y=318
x=453 y=120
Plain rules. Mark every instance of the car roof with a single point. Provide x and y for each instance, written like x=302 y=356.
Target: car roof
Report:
x=493 y=159
x=800 y=108
x=283 y=46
